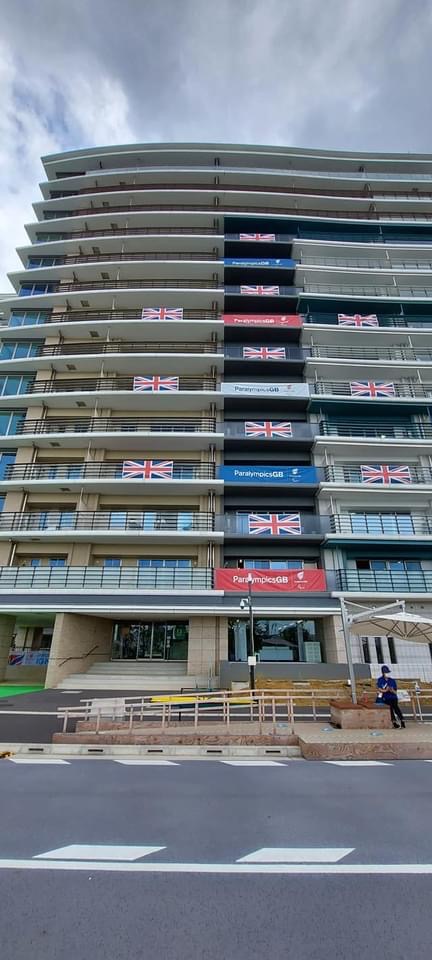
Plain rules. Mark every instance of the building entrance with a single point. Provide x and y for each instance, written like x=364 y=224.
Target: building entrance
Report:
x=150 y=640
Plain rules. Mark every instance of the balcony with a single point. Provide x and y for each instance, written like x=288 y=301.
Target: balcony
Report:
x=103 y=525
x=376 y=430
x=112 y=476
x=395 y=526
x=341 y=289
x=86 y=347
x=77 y=286
x=304 y=526
x=267 y=188
x=406 y=390
x=383 y=581
x=176 y=432
x=234 y=208
x=351 y=474
x=67 y=260
x=269 y=431
x=131 y=232
x=137 y=397
x=391 y=320
x=120 y=322
x=273 y=353
x=396 y=354
x=365 y=263
x=107 y=579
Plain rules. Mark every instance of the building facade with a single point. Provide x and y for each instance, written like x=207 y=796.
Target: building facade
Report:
x=217 y=361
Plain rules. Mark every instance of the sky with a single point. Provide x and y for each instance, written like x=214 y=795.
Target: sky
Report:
x=337 y=74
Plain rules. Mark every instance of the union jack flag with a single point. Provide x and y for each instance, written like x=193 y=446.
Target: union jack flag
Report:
x=271 y=237
x=275 y=524
x=147 y=469
x=268 y=428
x=372 y=388
x=264 y=353
x=358 y=320
x=383 y=474
x=155 y=384
x=162 y=313
x=258 y=290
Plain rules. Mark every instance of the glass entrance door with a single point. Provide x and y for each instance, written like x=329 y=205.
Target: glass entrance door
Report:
x=149 y=640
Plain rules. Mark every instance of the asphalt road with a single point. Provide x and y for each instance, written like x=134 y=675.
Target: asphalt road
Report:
x=332 y=882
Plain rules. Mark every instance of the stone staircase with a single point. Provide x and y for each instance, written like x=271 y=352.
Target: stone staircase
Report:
x=143 y=675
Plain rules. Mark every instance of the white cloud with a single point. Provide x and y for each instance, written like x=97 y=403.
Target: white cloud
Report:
x=348 y=74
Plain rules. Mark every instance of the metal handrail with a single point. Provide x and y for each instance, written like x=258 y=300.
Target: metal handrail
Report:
x=72 y=316
x=365 y=263
x=382 y=429
x=357 y=290
x=381 y=524
x=114 y=520
x=351 y=473
x=162 y=284
x=401 y=320
x=133 y=231
x=96 y=384
x=85 y=347
x=118 y=424
x=82 y=657
x=234 y=208
x=381 y=581
x=397 y=353
x=407 y=388
x=114 y=257
x=106 y=578
x=365 y=193
x=182 y=470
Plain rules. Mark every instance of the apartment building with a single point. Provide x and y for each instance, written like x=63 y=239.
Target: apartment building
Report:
x=216 y=363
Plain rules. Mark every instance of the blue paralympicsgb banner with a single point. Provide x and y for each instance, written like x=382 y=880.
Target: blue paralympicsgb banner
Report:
x=242 y=473
x=246 y=262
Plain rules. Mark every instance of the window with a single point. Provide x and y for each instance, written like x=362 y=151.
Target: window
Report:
x=36 y=289
x=365 y=650
x=19 y=349
x=24 y=318
x=173 y=563
x=379 y=650
x=112 y=562
x=13 y=384
x=6 y=460
x=390 y=566
x=392 y=650
x=276 y=640
x=10 y=421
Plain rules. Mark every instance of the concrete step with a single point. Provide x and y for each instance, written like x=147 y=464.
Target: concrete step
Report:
x=135 y=667
x=91 y=681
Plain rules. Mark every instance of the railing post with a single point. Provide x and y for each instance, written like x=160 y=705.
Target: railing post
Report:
x=196 y=713
x=65 y=720
x=313 y=705
x=163 y=715
x=98 y=719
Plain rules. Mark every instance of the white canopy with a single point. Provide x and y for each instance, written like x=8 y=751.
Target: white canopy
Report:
x=402 y=625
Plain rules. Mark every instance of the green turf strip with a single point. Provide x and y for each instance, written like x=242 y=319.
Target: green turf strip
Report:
x=13 y=689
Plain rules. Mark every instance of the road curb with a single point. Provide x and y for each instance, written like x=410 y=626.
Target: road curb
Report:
x=169 y=750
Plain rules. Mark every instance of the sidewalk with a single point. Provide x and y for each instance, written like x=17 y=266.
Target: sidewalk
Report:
x=320 y=741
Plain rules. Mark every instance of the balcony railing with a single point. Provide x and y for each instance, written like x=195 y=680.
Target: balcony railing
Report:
x=351 y=473
x=130 y=231
x=311 y=525
x=381 y=525
x=384 y=581
x=383 y=430
x=109 y=470
x=116 y=257
x=112 y=316
x=161 y=284
x=119 y=425
x=234 y=208
x=95 y=384
x=357 y=175
x=291 y=431
x=365 y=263
x=396 y=354
x=408 y=389
x=112 y=520
x=357 y=290
x=394 y=320
x=235 y=351
x=87 y=347
x=105 y=578
x=365 y=192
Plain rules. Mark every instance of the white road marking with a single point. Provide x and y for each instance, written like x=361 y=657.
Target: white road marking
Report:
x=293 y=869
x=98 y=851
x=297 y=855
x=37 y=760
x=359 y=763
x=147 y=763
x=252 y=763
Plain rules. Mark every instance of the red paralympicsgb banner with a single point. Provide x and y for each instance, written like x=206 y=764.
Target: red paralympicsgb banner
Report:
x=263 y=320
x=271 y=581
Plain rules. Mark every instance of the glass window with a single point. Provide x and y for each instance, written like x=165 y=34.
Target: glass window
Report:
x=379 y=650
x=24 y=318
x=6 y=460
x=9 y=420
x=276 y=640
x=112 y=562
x=57 y=562
x=365 y=650
x=392 y=650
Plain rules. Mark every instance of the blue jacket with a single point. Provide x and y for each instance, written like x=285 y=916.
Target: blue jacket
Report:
x=390 y=695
